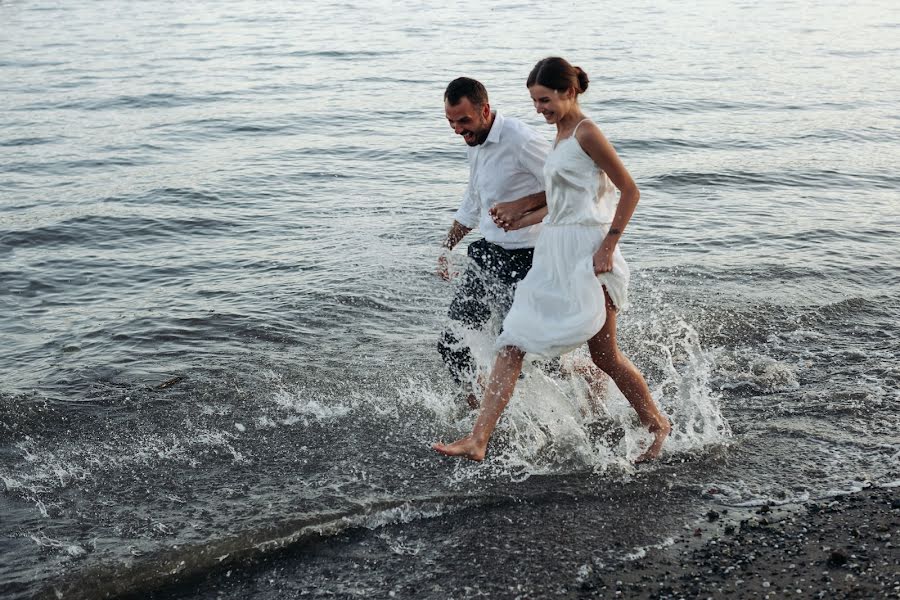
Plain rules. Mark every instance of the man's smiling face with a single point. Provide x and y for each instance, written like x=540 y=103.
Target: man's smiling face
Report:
x=472 y=122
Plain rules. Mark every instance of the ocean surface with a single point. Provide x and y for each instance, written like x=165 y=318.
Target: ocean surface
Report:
x=219 y=225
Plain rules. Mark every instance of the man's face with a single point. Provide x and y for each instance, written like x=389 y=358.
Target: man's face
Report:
x=470 y=121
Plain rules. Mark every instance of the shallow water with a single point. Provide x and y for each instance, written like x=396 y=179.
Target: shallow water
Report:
x=218 y=230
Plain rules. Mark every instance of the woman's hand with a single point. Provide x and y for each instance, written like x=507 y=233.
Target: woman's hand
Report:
x=603 y=259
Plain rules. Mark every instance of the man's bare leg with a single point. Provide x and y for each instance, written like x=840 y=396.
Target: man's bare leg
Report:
x=501 y=384
x=597 y=382
x=472 y=397
x=606 y=355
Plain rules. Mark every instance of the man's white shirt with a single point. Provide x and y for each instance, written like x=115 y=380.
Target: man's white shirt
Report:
x=508 y=165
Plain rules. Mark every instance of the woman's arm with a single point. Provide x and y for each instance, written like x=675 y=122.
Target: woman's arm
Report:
x=528 y=219
x=604 y=155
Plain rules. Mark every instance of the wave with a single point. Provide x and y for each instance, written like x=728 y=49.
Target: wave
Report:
x=830 y=135
x=288 y=124
x=690 y=106
x=209 y=129
x=184 y=564
x=343 y=54
x=626 y=144
x=860 y=134
x=26 y=141
x=151 y=100
x=826 y=179
x=66 y=167
x=101 y=231
x=172 y=195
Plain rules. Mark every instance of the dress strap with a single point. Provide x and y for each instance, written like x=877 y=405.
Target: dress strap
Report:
x=578 y=125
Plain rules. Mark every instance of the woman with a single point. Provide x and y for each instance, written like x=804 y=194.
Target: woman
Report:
x=579 y=278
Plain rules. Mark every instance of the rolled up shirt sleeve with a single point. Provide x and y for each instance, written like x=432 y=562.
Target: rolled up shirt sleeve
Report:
x=469 y=212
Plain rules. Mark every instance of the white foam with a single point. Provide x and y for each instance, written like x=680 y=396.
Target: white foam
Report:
x=400 y=546
x=45 y=469
x=641 y=551
x=741 y=494
x=547 y=426
x=69 y=549
x=306 y=407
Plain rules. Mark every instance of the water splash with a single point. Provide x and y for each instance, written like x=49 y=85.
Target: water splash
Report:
x=555 y=423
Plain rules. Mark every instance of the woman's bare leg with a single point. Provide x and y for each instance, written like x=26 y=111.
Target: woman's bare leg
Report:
x=499 y=390
x=606 y=355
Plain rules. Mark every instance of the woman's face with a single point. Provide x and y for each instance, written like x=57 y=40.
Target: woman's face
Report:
x=551 y=103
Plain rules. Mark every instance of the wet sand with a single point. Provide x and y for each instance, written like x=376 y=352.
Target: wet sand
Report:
x=841 y=547
x=559 y=544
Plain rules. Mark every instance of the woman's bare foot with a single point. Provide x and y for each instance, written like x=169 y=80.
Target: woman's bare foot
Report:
x=468 y=447
x=660 y=432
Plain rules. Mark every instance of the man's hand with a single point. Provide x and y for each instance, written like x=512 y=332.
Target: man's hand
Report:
x=444 y=267
x=457 y=232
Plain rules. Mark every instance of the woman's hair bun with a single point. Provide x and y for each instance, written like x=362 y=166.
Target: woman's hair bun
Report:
x=582 y=79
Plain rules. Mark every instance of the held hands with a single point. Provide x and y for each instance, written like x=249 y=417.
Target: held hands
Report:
x=507 y=216
x=520 y=213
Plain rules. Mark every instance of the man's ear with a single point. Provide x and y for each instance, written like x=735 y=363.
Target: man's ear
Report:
x=485 y=111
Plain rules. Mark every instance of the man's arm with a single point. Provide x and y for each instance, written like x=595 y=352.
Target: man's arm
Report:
x=457 y=232
x=530 y=209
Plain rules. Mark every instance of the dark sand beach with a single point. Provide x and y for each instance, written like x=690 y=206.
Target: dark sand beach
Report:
x=560 y=545
x=840 y=547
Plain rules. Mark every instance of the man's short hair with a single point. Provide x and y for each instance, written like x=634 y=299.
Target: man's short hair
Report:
x=466 y=87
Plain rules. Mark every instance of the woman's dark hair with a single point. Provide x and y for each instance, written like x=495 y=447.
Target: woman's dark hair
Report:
x=466 y=87
x=557 y=74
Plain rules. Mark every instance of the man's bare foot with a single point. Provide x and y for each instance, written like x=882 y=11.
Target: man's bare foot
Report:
x=660 y=432
x=467 y=447
x=598 y=382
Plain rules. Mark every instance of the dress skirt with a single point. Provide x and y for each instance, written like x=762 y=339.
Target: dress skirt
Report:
x=560 y=303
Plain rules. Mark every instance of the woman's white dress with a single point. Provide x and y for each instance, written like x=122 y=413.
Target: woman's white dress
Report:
x=560 y=304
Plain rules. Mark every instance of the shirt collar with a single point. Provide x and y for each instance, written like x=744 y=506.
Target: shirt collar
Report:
x=496 y=127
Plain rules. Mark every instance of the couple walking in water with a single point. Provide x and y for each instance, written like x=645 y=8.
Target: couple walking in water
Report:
x=549 y=260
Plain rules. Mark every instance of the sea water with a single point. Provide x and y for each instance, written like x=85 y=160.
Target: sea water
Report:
x=219 y=225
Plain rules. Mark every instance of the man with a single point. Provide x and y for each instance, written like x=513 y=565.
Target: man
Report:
x=506 y=162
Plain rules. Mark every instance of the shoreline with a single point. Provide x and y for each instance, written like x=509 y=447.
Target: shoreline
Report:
x=573 y=546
